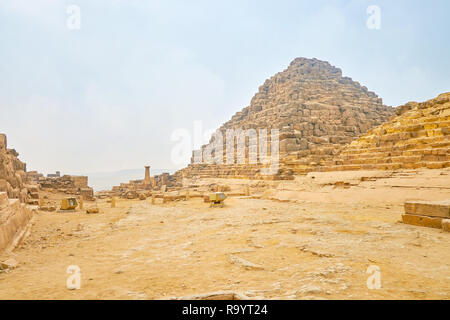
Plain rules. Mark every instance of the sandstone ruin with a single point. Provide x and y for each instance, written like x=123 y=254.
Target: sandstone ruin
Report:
x=67 y=184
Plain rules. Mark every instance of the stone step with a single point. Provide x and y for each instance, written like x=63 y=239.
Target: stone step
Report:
x=356 y=149
x=384 y=166
x=428 y=208
x=395 y=152
x=422 y=221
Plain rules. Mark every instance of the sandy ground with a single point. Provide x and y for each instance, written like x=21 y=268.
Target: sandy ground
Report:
x=314 y=247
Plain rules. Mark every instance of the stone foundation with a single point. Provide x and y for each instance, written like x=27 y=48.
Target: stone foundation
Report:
x=432 y=214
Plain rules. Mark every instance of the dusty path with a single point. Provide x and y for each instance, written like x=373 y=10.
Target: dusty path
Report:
x=263 y=248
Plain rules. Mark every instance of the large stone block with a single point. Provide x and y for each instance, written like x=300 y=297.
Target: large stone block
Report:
x=422 y=221
x=428 y=208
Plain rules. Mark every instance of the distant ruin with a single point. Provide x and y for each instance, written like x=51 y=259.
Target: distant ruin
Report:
x=135 y=189
x=67 y=184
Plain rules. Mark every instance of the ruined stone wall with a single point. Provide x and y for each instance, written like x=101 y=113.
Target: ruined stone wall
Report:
x=71 y=185
x=316 y=110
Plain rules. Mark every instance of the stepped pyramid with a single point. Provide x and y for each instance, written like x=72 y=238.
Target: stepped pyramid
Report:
x=419 y=136
x=316 y=111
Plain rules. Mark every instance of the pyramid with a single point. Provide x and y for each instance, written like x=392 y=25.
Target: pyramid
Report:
x=14 y=214
x=418 y=137
x=12 y=172
x=316 y=110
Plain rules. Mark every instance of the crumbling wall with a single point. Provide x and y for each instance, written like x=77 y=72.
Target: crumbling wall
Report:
x=72 y=185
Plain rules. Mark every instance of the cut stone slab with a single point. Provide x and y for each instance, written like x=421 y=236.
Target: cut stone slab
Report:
x=446 y=225
x=422 y=221
x=428 y=208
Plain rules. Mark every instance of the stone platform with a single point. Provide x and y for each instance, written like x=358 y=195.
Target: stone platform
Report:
x=433 y=214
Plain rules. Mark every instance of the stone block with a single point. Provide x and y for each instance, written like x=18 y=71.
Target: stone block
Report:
x=446 y=225
x=428 y=208
x=92 y=210
x=422 y=221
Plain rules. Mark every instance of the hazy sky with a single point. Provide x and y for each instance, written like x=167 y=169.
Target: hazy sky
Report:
x=109 y=95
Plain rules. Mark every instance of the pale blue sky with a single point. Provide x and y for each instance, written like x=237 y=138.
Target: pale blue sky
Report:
x=108 y=96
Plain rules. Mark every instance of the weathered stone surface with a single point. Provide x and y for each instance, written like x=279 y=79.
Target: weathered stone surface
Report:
x=423 y=221
x=13 y=220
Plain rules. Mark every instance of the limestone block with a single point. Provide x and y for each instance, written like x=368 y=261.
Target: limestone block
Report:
x=423 y=221
x=92 y=210
x=428 y=208
x=446 y=225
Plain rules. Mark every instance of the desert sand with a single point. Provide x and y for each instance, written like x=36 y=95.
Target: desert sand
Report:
x=311 y=238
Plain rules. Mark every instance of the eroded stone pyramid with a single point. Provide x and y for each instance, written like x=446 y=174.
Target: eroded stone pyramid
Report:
x=419 y=136
x=316 y=110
